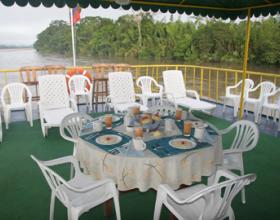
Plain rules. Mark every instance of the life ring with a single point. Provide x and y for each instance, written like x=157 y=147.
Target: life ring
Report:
x=78 y=71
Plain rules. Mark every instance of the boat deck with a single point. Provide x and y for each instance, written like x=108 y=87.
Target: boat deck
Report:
x=25 y=194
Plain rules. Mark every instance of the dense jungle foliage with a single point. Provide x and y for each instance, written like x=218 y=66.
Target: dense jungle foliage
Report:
x=140 y=36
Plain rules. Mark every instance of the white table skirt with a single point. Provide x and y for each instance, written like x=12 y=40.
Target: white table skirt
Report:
x=149 y=171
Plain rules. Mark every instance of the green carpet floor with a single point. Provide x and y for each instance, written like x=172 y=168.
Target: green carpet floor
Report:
x=24 y=193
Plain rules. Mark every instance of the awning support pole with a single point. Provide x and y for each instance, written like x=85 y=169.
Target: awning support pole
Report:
x=245 y=61
x=73 y=37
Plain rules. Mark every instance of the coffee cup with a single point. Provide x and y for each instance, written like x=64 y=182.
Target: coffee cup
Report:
x=97 y=125
x=199 y=133
x=139 y=144
x=168 y=124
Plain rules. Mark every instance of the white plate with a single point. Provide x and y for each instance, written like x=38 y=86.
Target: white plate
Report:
x=182 y=143
x=108 y=139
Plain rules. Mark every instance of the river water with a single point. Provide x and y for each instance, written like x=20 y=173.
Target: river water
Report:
x=15 y=58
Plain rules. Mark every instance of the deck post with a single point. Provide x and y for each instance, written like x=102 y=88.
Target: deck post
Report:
x=245 y=61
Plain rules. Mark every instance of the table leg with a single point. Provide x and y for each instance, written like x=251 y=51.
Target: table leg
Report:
x=108 y=207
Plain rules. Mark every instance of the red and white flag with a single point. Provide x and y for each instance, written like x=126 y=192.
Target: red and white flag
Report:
x=76 y=14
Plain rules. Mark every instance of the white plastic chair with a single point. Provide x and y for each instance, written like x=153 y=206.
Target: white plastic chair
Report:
x=146 y=83
x=54 y=102
x=78 y=88
x=266 y=88
x=122 y=93
x=272 y=107
x=71 y=127
x=201 y=202
x=245 y=139
x=177 y=94
x=80 y=193
x=16 y=93
x=235 y=98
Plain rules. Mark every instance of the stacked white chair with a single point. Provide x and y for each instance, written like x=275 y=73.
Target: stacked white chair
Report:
x=122 y=93
x=16 y=93
x=177 y=94
x=80 y=193
x=200 y=201
x=272 y=106
x=146 y=83
x=55 y=102
x=78 y=86
x=245 y=139
x=232 y=98
x=266 y=88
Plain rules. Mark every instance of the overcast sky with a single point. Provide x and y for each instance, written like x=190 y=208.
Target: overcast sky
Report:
x=20 y=25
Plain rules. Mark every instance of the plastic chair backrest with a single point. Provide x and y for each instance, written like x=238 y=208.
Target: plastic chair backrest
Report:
x=249 y=84
x=77 y=84
x=72 y=125
x=121 y=87
x=246 y=135
x=53 y=92
x=16 y=92
x=218 y=198
x=174 y=83
x=55 y=181
x=145 y=83
x=266 y=88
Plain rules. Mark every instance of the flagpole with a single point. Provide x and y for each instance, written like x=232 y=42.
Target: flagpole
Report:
x=73 y=37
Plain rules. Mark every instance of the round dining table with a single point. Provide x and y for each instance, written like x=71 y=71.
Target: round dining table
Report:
x=143 y=170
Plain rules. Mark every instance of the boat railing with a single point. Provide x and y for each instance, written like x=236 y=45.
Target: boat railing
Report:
x=209 y=82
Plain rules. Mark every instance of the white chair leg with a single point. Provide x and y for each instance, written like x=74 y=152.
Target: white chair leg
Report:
x=256 y=112
x=116 y=203
x=74 y=214
x=231 y=214
x=145 y=101
x=7 y=116
x=158 y=205
x=243 y=190
x=224 y=107
x=43 y=127
x=90 y=103
x=28 y=112
x=52 y=205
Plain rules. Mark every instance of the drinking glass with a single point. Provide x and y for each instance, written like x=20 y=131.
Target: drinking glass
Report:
x=108 y=121
x=187 y=128
x=138 y=132
x=178 y=114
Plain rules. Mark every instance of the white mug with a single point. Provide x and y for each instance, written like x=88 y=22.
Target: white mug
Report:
x=199 y=132
x=97 y=125
x=139 y=144
x=168 y=124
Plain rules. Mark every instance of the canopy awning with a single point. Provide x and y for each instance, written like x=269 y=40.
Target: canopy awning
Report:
x=216 y=8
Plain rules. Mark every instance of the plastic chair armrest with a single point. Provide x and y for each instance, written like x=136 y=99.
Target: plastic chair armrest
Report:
x=165 y=189
x=221 y=172
x=194 y=93
x=254 y=89
x=160 y=88
x=93 y=186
